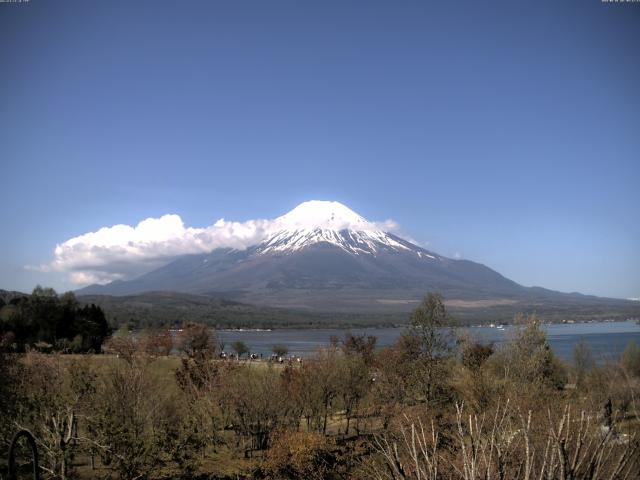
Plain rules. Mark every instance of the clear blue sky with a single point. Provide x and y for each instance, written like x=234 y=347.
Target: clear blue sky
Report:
x=507 y=132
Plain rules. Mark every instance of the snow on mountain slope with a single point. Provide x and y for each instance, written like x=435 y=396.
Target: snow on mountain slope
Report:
x=318 y=221
x=325 y=215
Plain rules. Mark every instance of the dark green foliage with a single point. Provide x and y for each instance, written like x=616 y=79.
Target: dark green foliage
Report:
x=173 y=309
x=54 y=322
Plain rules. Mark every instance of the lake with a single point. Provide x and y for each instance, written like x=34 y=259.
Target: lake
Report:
x=606 y=339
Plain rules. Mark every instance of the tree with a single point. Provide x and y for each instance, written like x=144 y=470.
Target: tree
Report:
x=360 y=345
x=322 y=375
x=54 y=321
x=240 y=348
x=43 y=312
x=583 y=361
x=431 y=326
x=528 y=358
x=156 y=342
x=474 y=354
x=292 y=393
x=392 y=377
x=197 y=341
x=251 y=402
x=128 y=423
x=506 y=444
x=354 y=381
x=54 y=395
x=427 y=321
x=91 y=324
x=122 y=344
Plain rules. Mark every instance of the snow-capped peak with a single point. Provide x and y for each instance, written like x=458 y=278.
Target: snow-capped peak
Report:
x=319 y=221
x=326 y=215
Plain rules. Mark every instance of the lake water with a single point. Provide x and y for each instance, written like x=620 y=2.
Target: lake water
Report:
x=606 y=339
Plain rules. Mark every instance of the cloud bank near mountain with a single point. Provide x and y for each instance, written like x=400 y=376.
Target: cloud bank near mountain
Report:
x=124 y=251
x=121 y=252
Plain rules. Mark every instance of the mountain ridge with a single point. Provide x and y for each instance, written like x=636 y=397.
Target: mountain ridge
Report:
x=323 y=256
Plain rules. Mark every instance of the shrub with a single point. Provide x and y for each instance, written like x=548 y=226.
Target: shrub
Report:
x=630 y=359
x=299 y=455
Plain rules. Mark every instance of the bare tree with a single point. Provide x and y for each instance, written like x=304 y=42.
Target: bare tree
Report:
x=505 y=446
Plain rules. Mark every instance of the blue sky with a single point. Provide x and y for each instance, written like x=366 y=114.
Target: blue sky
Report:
x=504 y=132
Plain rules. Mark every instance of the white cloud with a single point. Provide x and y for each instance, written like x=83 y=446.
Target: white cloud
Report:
x=387 y=226
x=124 y=251
x=457 y=255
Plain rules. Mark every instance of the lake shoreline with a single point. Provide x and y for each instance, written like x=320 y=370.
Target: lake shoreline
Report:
x=607 y=339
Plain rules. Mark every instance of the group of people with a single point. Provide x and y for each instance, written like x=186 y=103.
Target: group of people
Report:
x=259 y=356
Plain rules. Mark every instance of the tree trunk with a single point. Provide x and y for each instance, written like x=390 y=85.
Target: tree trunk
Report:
x=326 y=413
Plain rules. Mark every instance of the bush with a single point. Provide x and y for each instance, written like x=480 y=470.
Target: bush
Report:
x=156 y=342
x=299 y=455
x=630 y=359
x=197 y=341
x=528 y=359
x=474 y=354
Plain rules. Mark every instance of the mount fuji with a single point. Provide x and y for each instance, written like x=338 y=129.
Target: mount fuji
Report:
x=323 y=256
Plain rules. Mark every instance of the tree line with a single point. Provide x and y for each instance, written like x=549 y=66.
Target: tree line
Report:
x=47 y=321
